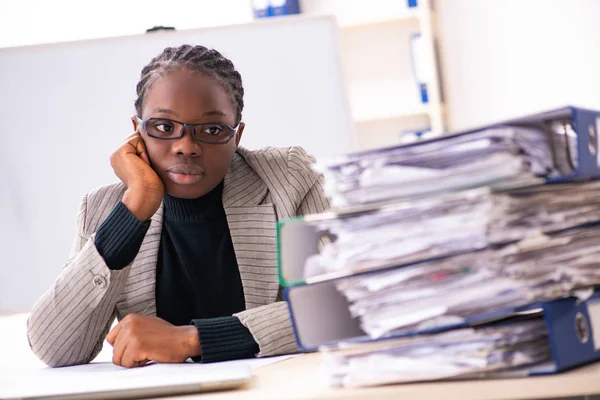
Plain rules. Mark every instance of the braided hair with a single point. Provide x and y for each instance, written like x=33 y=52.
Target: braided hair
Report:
x=196 y=58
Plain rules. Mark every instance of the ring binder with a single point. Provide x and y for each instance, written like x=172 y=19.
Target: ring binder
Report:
x=320 y=317
x=298 y=238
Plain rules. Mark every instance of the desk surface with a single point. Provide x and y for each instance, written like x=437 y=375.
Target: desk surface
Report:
x=300 y=378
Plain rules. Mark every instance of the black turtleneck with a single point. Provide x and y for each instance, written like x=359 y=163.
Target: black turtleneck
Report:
x=197 y=276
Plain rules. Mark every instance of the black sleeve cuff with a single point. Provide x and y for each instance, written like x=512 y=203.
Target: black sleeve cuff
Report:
x=119 y=237
x=224 y=338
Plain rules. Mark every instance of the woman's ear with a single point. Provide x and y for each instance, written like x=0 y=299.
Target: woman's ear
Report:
x=238 y=134
x=135 y=123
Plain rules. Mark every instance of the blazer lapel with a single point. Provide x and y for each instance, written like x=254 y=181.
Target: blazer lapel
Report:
x=252 y=226
x=139 y=293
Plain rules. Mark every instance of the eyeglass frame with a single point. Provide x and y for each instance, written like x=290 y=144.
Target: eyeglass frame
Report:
x=142 y=123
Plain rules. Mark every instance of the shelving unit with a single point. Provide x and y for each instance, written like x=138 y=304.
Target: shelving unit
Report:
x=375 y=46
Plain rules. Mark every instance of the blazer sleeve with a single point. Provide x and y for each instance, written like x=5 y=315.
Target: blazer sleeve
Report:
x=68 y=324
x=271 y=325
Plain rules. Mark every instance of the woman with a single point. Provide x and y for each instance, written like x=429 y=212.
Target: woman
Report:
x=183 y=250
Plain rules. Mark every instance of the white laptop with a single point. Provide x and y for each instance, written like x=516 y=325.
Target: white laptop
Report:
x=108 y=381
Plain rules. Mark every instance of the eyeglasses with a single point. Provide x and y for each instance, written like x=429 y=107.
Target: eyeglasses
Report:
x=168 y=129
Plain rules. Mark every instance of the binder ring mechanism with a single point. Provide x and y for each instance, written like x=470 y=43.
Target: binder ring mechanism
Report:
x=582 y=328
x=593 y=140
x=325 y=238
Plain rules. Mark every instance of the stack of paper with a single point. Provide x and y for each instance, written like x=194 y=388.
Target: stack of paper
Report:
x=518 y=213
x=491 y=156
x=461 y=353
x=453 y=223
x=449 y=234
x=404 y=233
x=451 y=290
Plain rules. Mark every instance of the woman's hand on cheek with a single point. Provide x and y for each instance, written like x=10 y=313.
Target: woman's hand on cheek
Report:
x=145 y=189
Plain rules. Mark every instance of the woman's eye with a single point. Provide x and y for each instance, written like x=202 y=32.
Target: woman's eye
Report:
x=166 y=128
x=212 y=130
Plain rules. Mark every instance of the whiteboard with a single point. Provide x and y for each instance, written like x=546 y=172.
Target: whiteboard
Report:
x=65 y=107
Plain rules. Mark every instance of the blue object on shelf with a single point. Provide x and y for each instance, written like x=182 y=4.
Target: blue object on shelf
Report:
x=412 y=3
x=284 y=7
x=261 y=8
x=421 y=69
x=423 y=91
x=275 y=8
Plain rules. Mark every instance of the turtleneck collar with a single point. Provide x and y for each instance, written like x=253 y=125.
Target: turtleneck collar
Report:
x=203 y=208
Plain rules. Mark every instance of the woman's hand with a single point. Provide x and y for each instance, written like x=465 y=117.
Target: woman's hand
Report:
x=139 y=339
x=145 y=189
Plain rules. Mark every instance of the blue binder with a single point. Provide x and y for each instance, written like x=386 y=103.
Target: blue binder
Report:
x=320 y=317
x=573 y=331
x=584 y=124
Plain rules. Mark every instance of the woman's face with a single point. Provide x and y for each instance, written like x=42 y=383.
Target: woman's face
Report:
x=188 y=168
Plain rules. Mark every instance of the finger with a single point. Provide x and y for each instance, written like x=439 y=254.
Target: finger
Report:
x=144 y=156
x=129 y=140
x=132 y=357
x=128 y=358
x=141 y=151
x=112 y=335
x=134 y=135
x=134 y=147
x=119 y=348
x=133 y=139
x=143 y=363
x=129 y=146
x=136 y=141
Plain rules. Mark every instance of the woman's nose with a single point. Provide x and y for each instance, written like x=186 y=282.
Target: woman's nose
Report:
x=186 y=145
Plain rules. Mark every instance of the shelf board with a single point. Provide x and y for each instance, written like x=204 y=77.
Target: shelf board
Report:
x=365 y=21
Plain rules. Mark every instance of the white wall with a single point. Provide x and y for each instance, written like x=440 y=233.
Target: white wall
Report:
x=65 y=107
x=26 y=22
x=506 y=58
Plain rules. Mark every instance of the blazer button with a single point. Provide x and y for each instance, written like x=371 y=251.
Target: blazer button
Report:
x=99 y=281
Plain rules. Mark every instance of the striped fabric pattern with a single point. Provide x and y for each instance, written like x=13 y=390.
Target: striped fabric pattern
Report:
x=68 y=324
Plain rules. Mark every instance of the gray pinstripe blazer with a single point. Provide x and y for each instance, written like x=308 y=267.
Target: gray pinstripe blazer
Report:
x=69 y=323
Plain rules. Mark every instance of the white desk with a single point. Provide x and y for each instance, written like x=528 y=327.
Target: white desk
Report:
x=300 y=378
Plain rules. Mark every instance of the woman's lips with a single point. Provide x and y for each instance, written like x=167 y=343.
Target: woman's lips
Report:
x=185 y=174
